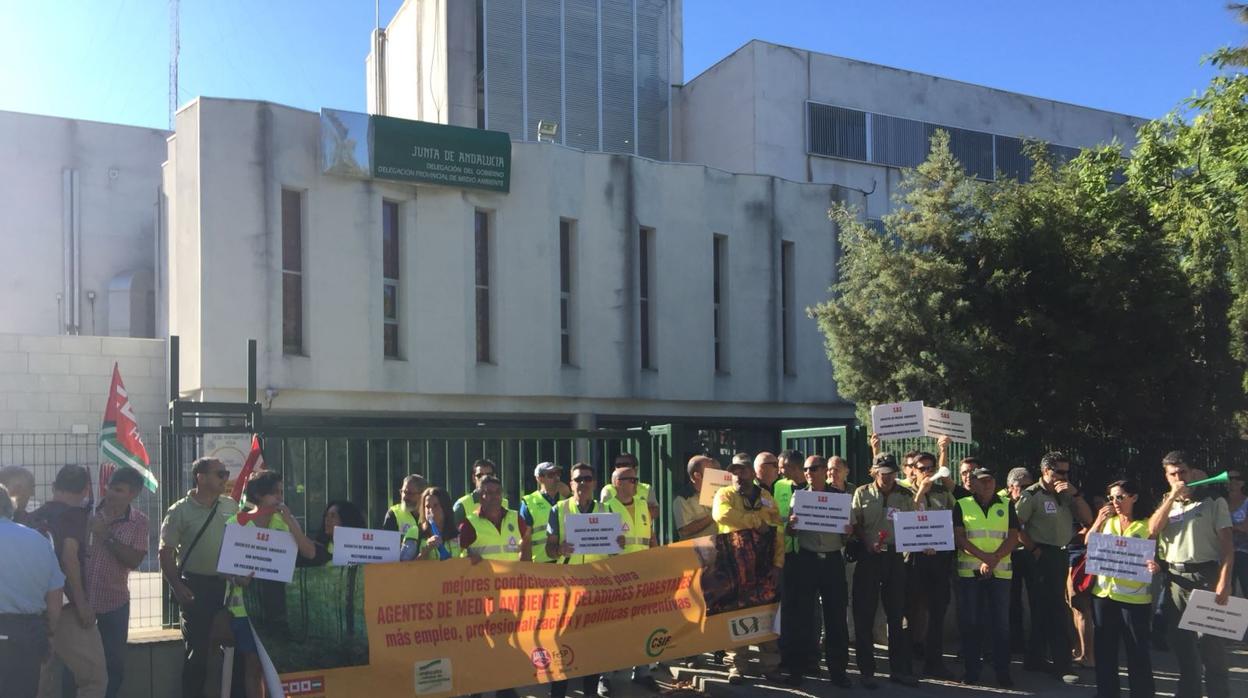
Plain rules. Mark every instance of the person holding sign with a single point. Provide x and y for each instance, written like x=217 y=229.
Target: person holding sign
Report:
x=405 y=514
x=1122 y=607
x=930 y=571
x=1193 y=529
x=985 y=528
x=263 y=494
x=339 y=512
x=558 y=549
x=435 y=538
x=693 y=518
x=881 y=573
x=818 y=571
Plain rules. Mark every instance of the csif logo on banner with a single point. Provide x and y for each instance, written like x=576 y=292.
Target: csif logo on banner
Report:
x=659 y=641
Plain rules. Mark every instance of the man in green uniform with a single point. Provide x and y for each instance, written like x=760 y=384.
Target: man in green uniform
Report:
x=481 y=469
x=1193 y=529
x=1047 y=511
x=929 y=574
x=537 y=506
x=881 y=572
x=406 y=514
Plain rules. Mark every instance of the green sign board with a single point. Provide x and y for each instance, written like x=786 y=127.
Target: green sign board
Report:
x=418 y=151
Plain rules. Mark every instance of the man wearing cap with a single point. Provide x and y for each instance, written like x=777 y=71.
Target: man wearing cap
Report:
x=536 y=506
x=1193 y=529
x=1017 y=480
x=1047 y=511
x=985 y=531
x=817 y=571
x=767 y=474
x=929 y=572
x=482 y=468
x=881 y=572
x=741 y=507
x=406 y=514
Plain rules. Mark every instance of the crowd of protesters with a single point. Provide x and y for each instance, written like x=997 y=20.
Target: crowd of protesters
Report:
x=1019 y=543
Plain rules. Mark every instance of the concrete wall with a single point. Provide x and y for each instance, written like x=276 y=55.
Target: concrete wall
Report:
x=118 y=171
x=59 y=384
x=751 y=108
x=228 y=258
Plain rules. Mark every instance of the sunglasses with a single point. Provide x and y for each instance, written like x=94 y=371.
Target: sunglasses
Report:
x=1117 y=497
x=585 y=478
x=627 y=479
x=927 y=469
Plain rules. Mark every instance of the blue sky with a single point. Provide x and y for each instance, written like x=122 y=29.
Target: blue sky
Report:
x=107 y=60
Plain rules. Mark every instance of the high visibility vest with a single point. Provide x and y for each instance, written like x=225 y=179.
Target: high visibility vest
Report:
x=563 y=509
x=539 y=508
x=1115 y=588
x=782 y=490
x=233 y=592
x=636 y=523
x=643 y=493
x=405 y=518
x=985 y=532
x=415 y=534
x=468 y=503
x=496 y=543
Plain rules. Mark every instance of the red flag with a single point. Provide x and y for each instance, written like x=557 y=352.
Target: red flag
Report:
x=120 y=442
x=106 y=472
x=255 y=461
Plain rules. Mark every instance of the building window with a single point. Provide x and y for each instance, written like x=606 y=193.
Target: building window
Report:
x=566 y=242
x=645 y=294
x=719 y=265
x=390 y=278
x=786 y=307
x=837 y=132
x=482 y=263
x=292 y=272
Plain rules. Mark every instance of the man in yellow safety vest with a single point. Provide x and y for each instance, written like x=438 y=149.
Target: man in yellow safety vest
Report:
x=481 y=469
x=406 y=514
x=985 y=532
x=639 y=534
x=645 y=492
x=536 y=507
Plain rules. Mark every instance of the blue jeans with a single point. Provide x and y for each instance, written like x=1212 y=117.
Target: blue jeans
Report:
x=114 y=629
x=984 y=613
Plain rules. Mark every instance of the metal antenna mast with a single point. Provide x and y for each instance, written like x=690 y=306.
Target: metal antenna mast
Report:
x=175 y=46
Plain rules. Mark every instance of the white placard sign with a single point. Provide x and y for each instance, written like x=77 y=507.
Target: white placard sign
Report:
x=362 y=546
x=955 y=425
x=267 y=553
x=825 y=512
x=712 y=481
x=917 y=531
x=897 y=420
x=593 y=534
x=1204 y=615
x=1121 y=556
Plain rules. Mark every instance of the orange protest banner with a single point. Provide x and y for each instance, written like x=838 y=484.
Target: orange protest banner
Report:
x=455 y=628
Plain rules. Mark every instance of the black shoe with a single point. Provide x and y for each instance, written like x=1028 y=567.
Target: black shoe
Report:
x=904 y=680
x=604 y=687
x=939 y=671
x=1004 y=681
x=647 y=682
x=841 y=681
x=869 y=683
x=969 y=680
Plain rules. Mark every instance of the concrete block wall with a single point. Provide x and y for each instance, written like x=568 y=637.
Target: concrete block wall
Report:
x=59 y=384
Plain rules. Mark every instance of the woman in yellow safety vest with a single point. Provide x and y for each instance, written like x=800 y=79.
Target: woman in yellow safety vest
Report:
x=264 y=509
x=435 y=538
x=1122 y=608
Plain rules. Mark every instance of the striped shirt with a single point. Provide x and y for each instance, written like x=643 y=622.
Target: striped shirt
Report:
x=106 y=578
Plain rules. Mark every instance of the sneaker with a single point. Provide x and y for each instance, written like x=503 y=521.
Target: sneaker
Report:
x=1069 y=678
x=869 y=683
x=604 y=687
x=647 y=681
x=904 y=680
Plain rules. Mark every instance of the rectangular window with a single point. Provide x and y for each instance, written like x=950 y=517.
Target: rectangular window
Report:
x=390 y=278
x=292 y=272
x=565 y=292
x=482 y=280
x=719 y=266
x=645 y=290
x=836 y=131
x=786 y=306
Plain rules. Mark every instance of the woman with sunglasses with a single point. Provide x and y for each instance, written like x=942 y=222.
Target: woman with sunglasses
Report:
x=1122 y=608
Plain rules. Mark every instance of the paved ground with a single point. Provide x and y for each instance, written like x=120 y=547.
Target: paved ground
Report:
x=713 y=679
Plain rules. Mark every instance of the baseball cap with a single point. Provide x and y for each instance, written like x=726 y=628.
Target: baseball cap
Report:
x=884 y=463
x=545 y=469
x=981 y=473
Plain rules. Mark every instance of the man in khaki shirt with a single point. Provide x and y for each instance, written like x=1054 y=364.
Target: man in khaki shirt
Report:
x=1193 y=529
x=693 y=519
x=881 y=573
